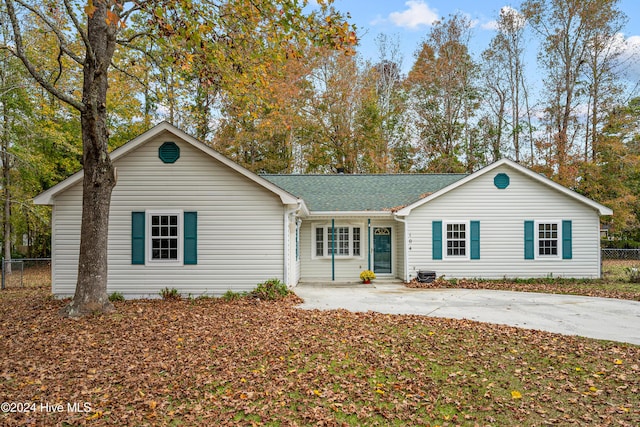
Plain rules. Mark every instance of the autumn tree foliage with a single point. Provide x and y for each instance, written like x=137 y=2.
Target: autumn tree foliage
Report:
x=215 y=41
x=444 y=96
x=615 y=178
x=575 y=36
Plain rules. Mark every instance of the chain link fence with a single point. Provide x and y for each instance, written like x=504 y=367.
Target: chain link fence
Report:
x=620 y=254
x=26 y=272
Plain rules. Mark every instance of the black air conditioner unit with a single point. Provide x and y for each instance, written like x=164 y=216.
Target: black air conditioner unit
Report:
x=426 y=276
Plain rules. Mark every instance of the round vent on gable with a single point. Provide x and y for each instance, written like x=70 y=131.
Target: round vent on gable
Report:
x=169 y=152
x=501 y=181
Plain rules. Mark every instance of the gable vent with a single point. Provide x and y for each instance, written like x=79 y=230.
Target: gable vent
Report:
x=501 y=181
x=169 y=152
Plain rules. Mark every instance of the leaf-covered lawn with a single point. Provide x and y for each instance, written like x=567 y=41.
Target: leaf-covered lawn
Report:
x=614 y=284
x=590 y=288
x=210 y=362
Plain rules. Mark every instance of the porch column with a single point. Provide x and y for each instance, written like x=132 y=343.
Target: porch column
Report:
x=333 y=249
x=369 y=244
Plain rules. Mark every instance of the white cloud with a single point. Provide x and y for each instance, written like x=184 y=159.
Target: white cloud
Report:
x=418 y=14
x=491 y=25
x=627 y=56
x=630 y=57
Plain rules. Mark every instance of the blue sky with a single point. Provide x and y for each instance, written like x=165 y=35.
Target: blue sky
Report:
x=410 y=21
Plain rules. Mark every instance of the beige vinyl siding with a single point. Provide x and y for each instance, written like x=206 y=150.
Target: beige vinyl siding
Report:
x=240 y=225
x=502 y=214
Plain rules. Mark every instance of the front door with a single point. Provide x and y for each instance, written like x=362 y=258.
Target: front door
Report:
x=382 y=250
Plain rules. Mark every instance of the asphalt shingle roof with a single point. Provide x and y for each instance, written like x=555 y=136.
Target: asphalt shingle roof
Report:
x=361 y=192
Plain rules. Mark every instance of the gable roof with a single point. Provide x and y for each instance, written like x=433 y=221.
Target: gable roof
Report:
x=356 y=193
x=603 y=210
x=47 y=197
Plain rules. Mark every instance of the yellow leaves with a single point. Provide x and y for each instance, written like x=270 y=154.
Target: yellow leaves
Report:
x=617 y=362
x=516 y=394
x=89 y=9
x=94 y=416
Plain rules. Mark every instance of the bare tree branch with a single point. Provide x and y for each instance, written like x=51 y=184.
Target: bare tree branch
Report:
x=61 y=39
x=19 y=52
x=85 y=38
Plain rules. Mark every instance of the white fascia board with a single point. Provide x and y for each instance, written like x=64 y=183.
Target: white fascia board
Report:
x=602 y=210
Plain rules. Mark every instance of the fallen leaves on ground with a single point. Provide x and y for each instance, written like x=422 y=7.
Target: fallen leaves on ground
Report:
x=589 y=288
x=248 y=362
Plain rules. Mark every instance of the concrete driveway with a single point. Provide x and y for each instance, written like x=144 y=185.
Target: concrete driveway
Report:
x=601 y=318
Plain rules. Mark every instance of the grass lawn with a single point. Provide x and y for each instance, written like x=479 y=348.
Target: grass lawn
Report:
x=244 y=362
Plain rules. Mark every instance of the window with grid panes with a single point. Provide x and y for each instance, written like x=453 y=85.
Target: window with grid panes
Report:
x=457 y=239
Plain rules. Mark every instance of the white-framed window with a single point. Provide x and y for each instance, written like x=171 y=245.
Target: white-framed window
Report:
x=347 y=241
x=456 y=240
x=548 y=239
x=164 y=237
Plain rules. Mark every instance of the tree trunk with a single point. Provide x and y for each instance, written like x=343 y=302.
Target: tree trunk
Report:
x=99 y=177
x=6 y=174
x=6 y=170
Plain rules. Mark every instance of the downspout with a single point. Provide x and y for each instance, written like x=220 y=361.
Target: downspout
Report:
x=406 y=246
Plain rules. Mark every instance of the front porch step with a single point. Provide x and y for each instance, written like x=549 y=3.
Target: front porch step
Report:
x=347 y=284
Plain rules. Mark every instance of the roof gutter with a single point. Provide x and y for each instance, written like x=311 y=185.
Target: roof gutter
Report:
x=336 y=214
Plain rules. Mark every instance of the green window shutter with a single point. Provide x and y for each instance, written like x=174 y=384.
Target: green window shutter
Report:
x=567 y=250
x=436 y=239
x=529 y=245
x=137 y=237
x=191 y=237
x=475 y=239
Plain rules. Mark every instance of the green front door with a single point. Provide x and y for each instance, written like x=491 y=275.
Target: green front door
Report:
x=382 y=250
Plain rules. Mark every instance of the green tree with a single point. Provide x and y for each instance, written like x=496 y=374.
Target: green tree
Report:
x=614 y=177
x=444 y=96
x=212 y=38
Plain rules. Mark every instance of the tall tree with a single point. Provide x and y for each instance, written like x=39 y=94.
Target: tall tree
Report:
x=333 y=93
x=504 y=80
x=444 y=96
x=614 y=179
x=601 y=73
x=570 y=30
x=391 y=101
x=205 y=36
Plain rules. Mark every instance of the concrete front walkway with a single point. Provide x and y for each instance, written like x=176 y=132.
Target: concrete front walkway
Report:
x=601 y=318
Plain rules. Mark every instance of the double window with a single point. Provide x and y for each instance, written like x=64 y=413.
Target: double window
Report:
x=342 y=240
